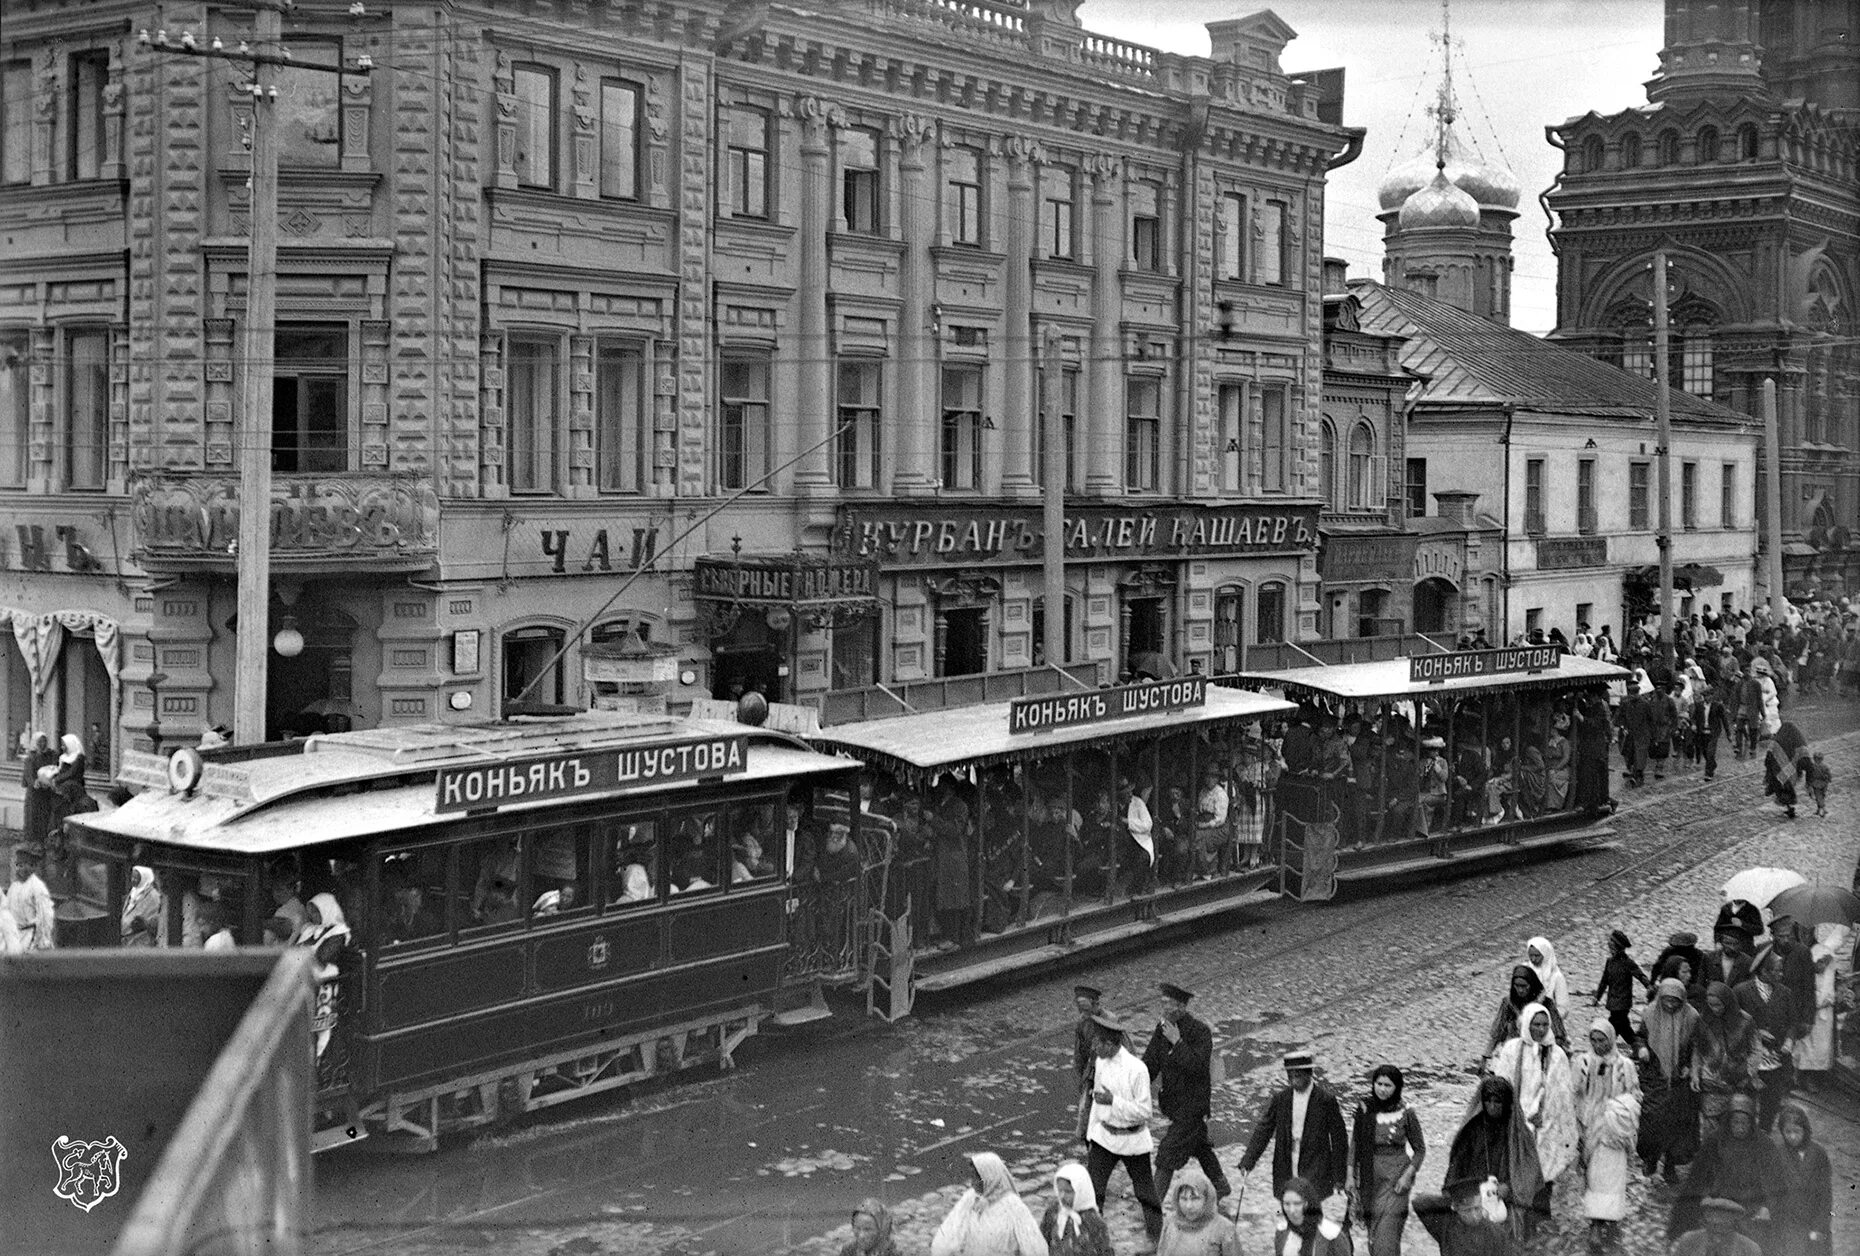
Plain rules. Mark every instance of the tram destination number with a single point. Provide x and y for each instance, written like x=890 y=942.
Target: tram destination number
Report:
x=473 y=787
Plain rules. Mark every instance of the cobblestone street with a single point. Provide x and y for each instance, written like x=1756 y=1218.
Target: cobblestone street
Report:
x=772 y=1158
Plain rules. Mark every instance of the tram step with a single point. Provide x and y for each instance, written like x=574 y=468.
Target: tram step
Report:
x=1470 y=856
x=814 y=1009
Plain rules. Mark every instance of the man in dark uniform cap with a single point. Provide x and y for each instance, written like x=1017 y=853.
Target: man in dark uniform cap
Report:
x=1180 y=1059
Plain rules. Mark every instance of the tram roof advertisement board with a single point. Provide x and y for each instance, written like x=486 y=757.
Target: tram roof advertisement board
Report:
x=536 y=778
x=1433 y=669
x=1063 y=710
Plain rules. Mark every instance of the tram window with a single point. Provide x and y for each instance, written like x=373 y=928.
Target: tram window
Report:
x=694 y=858
x=92 y=881
x=413 y=891
x=755 y=846
x=633 y=874
x=560 y=876
x=493 y=869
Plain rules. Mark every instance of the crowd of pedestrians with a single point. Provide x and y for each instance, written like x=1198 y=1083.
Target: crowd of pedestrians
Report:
x=1683 y=1071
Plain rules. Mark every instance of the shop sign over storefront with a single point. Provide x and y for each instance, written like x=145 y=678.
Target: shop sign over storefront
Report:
x=1433 y=669
x=781 y=579
x=1564 y=552
x=935 y=535
x=317 y=522
x=1063 y=710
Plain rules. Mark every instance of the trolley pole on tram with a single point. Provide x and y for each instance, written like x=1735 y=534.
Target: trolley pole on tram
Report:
x=1663 y=436
x=1053 y=466
x=263 y=54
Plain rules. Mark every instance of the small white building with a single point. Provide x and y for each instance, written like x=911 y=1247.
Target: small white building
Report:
x=1561 y=447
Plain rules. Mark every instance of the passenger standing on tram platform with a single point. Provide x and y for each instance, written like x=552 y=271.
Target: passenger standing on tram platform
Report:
x=955 y=888
x=1180 y=1058
x=1401 y=777
x=1337 y=770
x=1589 y=785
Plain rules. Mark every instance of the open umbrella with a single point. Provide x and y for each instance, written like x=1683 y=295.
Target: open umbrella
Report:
x=1811 y=905
x=1760 y=885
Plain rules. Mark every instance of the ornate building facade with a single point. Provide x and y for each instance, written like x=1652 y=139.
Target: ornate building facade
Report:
x=1744 y=166
x=559 y=278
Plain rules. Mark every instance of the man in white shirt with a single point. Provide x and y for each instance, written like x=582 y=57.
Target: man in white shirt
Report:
x=1118 y=1130
x=30 y=901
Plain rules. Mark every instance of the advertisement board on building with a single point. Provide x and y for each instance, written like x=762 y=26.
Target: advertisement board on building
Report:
x=935 y=535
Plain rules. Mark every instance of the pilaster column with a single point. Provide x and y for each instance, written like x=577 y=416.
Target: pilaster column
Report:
x=916 y=369
x=1023 y=161
x=1103 y=474
x=814 y=396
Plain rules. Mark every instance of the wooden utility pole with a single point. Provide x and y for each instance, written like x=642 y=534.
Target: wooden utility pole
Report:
x=264 y=54
x=1772 y=503
x=1053 y=468
x=1663 y=436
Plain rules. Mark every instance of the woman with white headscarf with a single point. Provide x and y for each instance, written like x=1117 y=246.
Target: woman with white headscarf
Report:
x=1073 y=1226
x=325 y=930
x=1541 y=956
x=990 y=1219
x=142 y=908
x=1539 y=1073
x=1608 y=1111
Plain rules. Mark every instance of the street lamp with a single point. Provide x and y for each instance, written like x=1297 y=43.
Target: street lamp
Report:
x=155 y=682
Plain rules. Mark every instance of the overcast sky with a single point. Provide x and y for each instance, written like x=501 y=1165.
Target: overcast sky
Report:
x=1531 y=62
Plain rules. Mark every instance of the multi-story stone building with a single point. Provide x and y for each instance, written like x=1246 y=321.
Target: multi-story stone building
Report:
x=559 y=279
x=1744 y=166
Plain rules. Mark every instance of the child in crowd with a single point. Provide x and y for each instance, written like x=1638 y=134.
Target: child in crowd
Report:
x=1820 y=775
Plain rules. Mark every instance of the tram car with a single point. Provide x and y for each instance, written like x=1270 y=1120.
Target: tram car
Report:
x=505 y=915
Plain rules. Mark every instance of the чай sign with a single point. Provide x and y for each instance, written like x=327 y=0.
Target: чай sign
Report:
x=1432 y=669
x=1062 y=710
x=481 y=785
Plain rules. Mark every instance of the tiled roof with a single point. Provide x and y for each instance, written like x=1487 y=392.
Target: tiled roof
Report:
x=1473 y=361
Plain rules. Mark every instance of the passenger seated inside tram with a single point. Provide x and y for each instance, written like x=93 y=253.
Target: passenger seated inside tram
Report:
x=635 y=885
x=694 y=859
x=411 y=918
x=216 y=925
x=500 y=907
x=749 y=859
x=554 y=902
x=499 y=865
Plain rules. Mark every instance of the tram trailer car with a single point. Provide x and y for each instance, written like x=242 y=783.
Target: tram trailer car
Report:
x=505 y=916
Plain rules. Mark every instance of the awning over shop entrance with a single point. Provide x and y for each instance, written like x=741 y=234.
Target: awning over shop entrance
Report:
x=918 y=748
x=1389 y=678
x=1685 y=576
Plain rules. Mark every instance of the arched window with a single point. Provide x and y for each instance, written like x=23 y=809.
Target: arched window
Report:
x=1690 y=355
x=1634 y=322
x=1630 y=150
x=1747 y=142
x=1669 y=148
x=1229 y=613
x=1327 y=465
x=1592 y=154
x=1365 y=493
x=1707 y=145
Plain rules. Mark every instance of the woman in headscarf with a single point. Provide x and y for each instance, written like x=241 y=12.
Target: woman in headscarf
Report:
x=1387 y=1149
x=40 y=800
x=1306 y=1226
x=1525 y=990
x=1192 y=1221
x=871 y=1227
x=1685 y=946
x=1669 y=1123
x=68 y=780
x=990 y=1219
x=1723 y=1056
x=326 y=931
x=1073 y=1226
x=1785 y=750
x=1608 y=1111
x=141 y=908
x=1541 y=956
x=1814 y=1054
x=1737 y=1163
x=1539 y=1073
x=1801 y=1222
x=1493 y=1142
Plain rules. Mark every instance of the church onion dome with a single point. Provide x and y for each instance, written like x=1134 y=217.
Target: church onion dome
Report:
x=1491 y=186
x=1439 y=204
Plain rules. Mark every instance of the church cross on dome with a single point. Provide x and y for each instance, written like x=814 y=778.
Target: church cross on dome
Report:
x=1444 y=110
